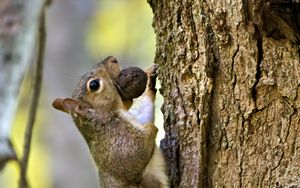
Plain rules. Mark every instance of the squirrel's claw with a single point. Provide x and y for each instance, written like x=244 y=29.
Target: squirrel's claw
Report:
x=152 y=74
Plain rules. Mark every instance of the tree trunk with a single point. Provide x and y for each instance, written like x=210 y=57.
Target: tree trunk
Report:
x=230 y=76
x=19 y=21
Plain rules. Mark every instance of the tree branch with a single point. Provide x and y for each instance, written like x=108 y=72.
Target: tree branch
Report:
x=34 y=101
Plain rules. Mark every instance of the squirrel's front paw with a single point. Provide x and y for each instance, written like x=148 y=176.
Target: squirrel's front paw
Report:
x=152 y=74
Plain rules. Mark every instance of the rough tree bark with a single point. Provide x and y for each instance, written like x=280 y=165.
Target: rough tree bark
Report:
x=230 y=77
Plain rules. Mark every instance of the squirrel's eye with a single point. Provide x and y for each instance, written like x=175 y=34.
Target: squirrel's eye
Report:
x=94 y=85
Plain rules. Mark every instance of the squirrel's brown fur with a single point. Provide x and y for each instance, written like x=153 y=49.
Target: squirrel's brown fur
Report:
x=124 y=149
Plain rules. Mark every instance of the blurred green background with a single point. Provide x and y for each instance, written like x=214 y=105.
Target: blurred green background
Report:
x=80 y=34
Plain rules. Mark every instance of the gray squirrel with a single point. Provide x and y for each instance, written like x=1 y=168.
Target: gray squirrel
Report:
x=121 y=141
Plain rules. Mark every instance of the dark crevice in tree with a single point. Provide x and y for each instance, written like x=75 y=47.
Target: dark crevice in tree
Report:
x=259 y=46
x=245 y=7
x=177 y=171
x=198 y=117
x=279 y=162
x=178 y=15
x=290 y=104
x=294 y=143
x=212 y=69
x=241 y=161
x=232 y=63
x=214 y=62
x=263 y=176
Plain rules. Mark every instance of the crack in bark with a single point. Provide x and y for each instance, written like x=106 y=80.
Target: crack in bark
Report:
x=263 y=176
x=177 y=172
x=233 y=75
x=278 y=164
x=241 y=170
x=289 y=126
x=293 y=145
x=233 y=61
x=290 y=118
x=242 y=152
x=211 y=68
x=178 y=15
x=213 y=49
x=245 y=7
x=259 y=46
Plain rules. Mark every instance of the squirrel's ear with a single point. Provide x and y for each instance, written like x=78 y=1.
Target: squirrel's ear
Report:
x=70 y=105
x=67 y=105
x=112 y=67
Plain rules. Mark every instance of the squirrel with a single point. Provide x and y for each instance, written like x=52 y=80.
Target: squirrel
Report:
x=121 y=140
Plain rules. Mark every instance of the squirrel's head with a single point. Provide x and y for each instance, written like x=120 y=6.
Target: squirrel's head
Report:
x=104 y=89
